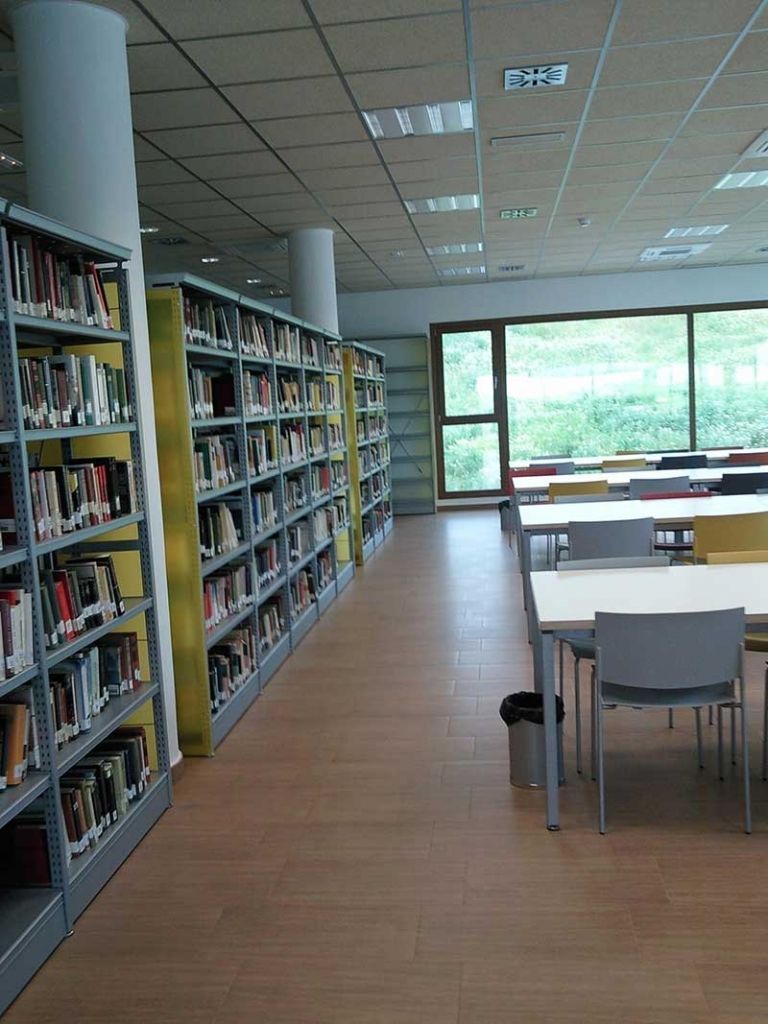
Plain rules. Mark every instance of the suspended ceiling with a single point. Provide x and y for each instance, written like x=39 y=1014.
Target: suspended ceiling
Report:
x=248 y=124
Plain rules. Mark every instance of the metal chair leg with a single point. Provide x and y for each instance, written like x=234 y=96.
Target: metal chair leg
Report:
x=600 y=765
x=593 y=726
x=711 y=714
x=733 y=735
x=745 y=763
x=720 y=767
x=671 y=718
x=577 y=710
x=765 y=725
x=561 y=645
x=699 y=745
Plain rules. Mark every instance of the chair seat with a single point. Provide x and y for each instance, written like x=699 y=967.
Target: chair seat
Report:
x=685 y=697
x=756 y=642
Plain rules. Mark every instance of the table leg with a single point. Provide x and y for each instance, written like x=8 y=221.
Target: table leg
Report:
x=544 y=682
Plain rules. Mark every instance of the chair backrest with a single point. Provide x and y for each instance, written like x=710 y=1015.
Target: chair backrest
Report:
x=617 y=465
x=748 y=458
x=529 y=471
x=743 y=483
x=692 y=461
x=619 y=538
x=745 y=532
x=669 y=650
x=574 y=499
x=650 y=485
x=557 y=490
x=565 y=468
x=726 y=557
x=641 y=562
x=661 y=495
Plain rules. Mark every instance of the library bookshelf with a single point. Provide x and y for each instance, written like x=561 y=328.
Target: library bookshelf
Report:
x=45 y=887
x=254 y=470
x=369 y=454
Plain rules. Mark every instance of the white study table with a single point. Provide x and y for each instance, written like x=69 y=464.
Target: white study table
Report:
x=596 y=461
x=618 y=480
x=567 y=602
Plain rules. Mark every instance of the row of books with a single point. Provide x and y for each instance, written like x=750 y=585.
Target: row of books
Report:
x=310 y=350
x=219 y=532
x=320 y=481
x=16 y=632
x=335 y=436
x=299 y=541
x=205 y=323
x=98 y=792
x=377 y=426
x=316 y=439
x=268 y=566
x=332 y=393
x=289 y=395
x=257 y=394
x=338 y=475
x=230 y=664
x=287 y=344
x=295 y=493
x=216 y=461
x=315 y=396
x=82 y=686
x=81 y=594
x=48 y=284
x=253 y=335
x=262 y=451
x=271 y=623
x=375 y=393
x=226 y=594
x=359 y=364
x=324 y=570
x=263 y=510
x=77 y=495
x=19 y=738
x=293 y=447
x=329 y=519
x=333 y=358
x=302 y=592
x=72 y=391
x=211 y=394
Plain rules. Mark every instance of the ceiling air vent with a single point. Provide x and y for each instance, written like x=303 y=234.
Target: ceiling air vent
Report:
x=518 y=213
x=535 y=77
x=672 y=252
x=759 y=147
x=510 y=268
x=536 y=140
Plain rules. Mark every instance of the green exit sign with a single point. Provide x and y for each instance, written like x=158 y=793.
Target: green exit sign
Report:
x=518 y=213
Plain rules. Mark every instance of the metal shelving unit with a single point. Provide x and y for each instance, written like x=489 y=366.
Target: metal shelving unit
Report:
x=34 y=920
x=371 y=489
x=202 y=728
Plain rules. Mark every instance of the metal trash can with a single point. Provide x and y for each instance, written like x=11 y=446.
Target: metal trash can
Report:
x=523 y=714
x=505 y=513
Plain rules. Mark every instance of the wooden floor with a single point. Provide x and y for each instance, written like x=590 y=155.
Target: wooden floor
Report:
x=355 y=854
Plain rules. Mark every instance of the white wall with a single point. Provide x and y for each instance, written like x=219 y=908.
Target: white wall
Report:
x=410 y=311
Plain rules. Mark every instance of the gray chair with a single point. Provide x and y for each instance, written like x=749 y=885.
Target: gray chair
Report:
x=744 y=483
x=565 y=468
x=621 y=538
x=690 y=461
x=573 y=499
x=661 y=485
x=583 y=647
x=684 y=659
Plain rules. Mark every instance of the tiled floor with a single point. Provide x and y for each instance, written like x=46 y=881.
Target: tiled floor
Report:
x=355 y=854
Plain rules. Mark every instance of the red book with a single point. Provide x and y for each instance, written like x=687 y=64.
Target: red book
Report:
x=63 y=603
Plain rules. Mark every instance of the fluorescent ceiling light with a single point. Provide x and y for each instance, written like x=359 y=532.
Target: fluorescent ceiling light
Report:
x=461 y=271
x=672 y=252
x=9 y=162
x=422 y=119
x=536 y=140
x=209 y=259
x=443 y=204
x=535 y=77
x=705 y=229
x=454 y=249
x=518 y=213
x=148 y=231
x=744 y=179
x=253 y=280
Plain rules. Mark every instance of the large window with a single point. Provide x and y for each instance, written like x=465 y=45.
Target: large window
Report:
x=595 y=385
x=586 y=386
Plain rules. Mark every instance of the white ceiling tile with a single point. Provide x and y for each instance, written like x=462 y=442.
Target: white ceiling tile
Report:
x=710 y=145
x=644 y=21
x=596 y=175
x=185 y=191
x=318 y=129
x=179 y=109
x=142 y=150
x=619 y=153
x=735 y=119
x=255 y=58
x=664 y=62
x=630 y=129
x=232 y=220
x=258 y=185
x=401 y=42
x=343 y=154
x=434 y=171
x=160 y=66
x=329 y=12
x=160 y=172
x=366 y=194
x=204 y=141
x=209 y=208
x=140 y=28
x=662 y=98
x=737 y=90
x=750 y=55
x=516 y=110
x=519 y=29
x=340 y=177
x=291 y=98
x=363 y=211
x=231 y=164
x=521 y=179
x=495 y=164
x=428 y=147
x=406 y=86
x=188 y=19
x=271 y=203
x=439 y=186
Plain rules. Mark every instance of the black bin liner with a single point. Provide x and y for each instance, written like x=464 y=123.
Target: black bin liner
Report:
x=528 y=707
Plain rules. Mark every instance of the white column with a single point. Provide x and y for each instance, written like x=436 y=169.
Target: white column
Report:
x=78 y=151
x=313 y=277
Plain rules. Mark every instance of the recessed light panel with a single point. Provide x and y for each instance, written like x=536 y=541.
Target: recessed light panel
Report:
x=443 y=204
x=461 y=271
x=424 y=119
x=454 y=250
x=744 y=179
x=518 y=213
x=535 y=140
x=148 y=230
x=535 y=77
x=705 y=229
x=672 y=252
x=209 y=259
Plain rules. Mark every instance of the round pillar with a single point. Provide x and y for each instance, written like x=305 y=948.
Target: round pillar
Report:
x=78 y=152
x=313 y=277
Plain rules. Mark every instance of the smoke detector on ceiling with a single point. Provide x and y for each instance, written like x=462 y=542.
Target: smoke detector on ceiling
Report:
x=535 y=77
x=672 y=252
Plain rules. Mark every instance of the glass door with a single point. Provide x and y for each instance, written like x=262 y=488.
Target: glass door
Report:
x=469 y=408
